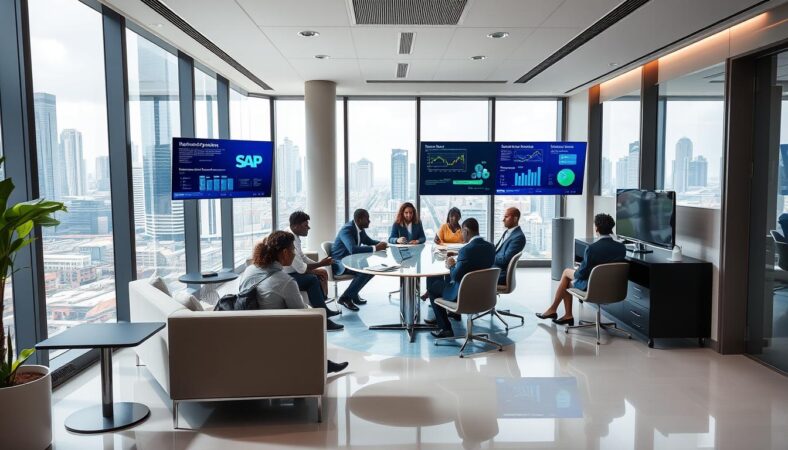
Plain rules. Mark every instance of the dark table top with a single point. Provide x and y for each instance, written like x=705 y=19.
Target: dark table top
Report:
x=197 y=278
x=98 y=335
x=657 y=255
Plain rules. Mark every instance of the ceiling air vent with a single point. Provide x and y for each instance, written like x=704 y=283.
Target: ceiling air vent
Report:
x=402 y=70
x=408 y=12
x=406 y=43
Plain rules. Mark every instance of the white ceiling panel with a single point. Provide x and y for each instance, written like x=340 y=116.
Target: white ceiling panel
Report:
x=383 y=42
x=297 y=13
x=463 y=69
x=372 y=69
x=336 y=42
x=339 y=70
x=576 y=13
x=544 y=42
x=508 y=13
x=468 y=42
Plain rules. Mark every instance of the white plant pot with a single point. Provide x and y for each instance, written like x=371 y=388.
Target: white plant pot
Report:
x=26 y=419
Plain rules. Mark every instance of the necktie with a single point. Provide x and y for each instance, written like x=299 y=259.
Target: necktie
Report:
x=500 y=241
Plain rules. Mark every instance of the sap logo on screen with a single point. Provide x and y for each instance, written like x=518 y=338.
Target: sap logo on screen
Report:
x=242 y=161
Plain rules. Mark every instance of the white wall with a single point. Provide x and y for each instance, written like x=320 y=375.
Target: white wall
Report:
x=577 y=130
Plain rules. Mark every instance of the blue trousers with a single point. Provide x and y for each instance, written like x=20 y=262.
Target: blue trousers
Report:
x=359 y=281
x=435 y=287
x=310 y=284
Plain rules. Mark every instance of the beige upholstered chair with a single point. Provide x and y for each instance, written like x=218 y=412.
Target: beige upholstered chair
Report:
x=325 y=249
x=508 y=288
x=476 y=295
x=606 y=284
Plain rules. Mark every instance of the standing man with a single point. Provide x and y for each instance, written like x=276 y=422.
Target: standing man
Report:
x=350 y=240
x=477 y=254
x=511 y=242
x=306 y=272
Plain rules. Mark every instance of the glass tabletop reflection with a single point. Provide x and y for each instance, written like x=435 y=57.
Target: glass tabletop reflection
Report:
x=412 y=261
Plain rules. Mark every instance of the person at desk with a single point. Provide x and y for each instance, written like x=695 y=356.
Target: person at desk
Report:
x=407 y=227
x=511 y=242
x=451 y=231
x=350 y=240
x=783 y=221
x=308 y=273
x=604 y=250
x=276 y=289
x=477 y=254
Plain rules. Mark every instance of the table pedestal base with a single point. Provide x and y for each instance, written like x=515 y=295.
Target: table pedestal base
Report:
x=409 y=310
x=91 y=420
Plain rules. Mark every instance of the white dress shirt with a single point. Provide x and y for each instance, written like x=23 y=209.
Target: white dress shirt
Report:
x=300 y=260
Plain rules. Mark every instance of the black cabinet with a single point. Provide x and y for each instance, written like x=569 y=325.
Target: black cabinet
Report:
x=665 y=299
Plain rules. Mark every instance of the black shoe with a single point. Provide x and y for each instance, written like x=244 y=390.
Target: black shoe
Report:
x=333 y=326
x=331 y=312
x=455 y=316
x=547 y=316
x=430 y=321
x=442 y=333
x=570 y=321
x=347 y=303
x=359 y=301
x=336 y=367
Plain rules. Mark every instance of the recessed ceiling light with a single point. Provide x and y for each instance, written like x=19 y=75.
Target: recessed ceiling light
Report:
x=498 y=35
x=613 y=64
x=322 y=56
x=308 y=33
x=478 y=57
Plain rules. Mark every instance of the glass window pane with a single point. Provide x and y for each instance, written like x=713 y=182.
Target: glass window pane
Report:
x=71 y=137
x=528 y=120
x=340 y=216
x=154 y=116
x=454 y=120
x=250 y=119
x=691 y=152
x=290 y=151
x=620 y=144
x=382 y=153
x=206 y=125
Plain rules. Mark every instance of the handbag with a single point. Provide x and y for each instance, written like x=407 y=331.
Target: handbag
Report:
x=244 y=300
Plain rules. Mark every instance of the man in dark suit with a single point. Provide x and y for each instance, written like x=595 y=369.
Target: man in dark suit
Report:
x=604 y=250
x=477 y=254
x=511 y=242
x=350 y=240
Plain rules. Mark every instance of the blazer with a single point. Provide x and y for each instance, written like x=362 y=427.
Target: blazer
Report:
x=477 y=254
x=604 y=250
x=514 y=244
x=398 y=231
x=347 y=243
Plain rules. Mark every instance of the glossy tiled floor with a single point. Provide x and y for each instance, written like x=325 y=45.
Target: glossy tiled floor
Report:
x=630 y=396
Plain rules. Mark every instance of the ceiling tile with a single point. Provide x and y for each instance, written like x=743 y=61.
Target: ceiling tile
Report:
x=474 y=41
x=508 y=13
x=464 y=69
x=297 y=13
x=338 y=70
x=333 y=41
x=580 y=13
x=543 y=42
x=377 y=69
x=383 y=42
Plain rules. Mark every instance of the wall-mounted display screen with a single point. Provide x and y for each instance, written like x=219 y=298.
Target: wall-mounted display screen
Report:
x=221 y=168
x=540 y=168
x=457 y=168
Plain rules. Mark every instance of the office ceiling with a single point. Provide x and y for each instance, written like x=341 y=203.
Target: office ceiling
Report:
x=262 y=35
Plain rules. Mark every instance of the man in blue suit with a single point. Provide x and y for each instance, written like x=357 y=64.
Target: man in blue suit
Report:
x=511 y=242
x=477 y=254
x=604 y=250
x=353 y=239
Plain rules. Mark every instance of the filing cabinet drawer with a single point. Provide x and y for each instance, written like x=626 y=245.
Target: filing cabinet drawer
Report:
x=636 y=316
x=638 y=294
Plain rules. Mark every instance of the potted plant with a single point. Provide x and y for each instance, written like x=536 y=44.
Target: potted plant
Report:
x=25 y=391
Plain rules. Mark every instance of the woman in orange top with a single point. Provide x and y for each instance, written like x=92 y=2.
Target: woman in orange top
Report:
x=450 y=232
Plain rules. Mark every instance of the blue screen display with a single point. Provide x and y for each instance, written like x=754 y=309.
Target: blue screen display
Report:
x=540 y=168
x=457 y=168
x=220 y=168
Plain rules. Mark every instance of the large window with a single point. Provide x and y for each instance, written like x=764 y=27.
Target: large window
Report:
x=620 y=144
x=71 y=138
x=454 y=120
x=340 y=193
x=382 y=154
x=153 y=120
x=692 y=137
x=250 y=119
x=290 y=151
x=528 y=120
x=206 y=125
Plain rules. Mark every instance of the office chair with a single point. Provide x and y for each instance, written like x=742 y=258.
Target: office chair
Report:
x=781 y=245
x=476 y=295
x=607 y=284
x=508 y=288
x=325 y=248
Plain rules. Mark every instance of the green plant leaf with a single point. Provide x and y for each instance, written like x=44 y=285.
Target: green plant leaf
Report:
x=23 y=355
x=24 y=229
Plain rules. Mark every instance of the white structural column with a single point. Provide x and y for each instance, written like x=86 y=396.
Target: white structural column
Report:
x=321 y=155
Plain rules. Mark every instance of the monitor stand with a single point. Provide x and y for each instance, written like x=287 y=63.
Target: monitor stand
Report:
x=640 y=248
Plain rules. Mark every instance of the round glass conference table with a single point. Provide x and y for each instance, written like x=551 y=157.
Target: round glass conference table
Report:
x=408 y=263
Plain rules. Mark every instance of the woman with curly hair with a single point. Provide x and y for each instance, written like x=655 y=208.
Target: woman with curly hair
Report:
x=407 y=227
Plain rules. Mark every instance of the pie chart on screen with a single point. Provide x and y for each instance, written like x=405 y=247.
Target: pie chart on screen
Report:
x=565 y=177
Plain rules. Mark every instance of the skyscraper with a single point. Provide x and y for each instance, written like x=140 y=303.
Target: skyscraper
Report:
x=45 y=106
x=163 y=217
x=73 y=169
x=607 y=175
x=102 y=173
x=698 y=172
x=289 y=166
x=361 y=175
x=138 y=188
x=412 y=181
x=399 y=174
x=633 y=165
x=681 y=164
